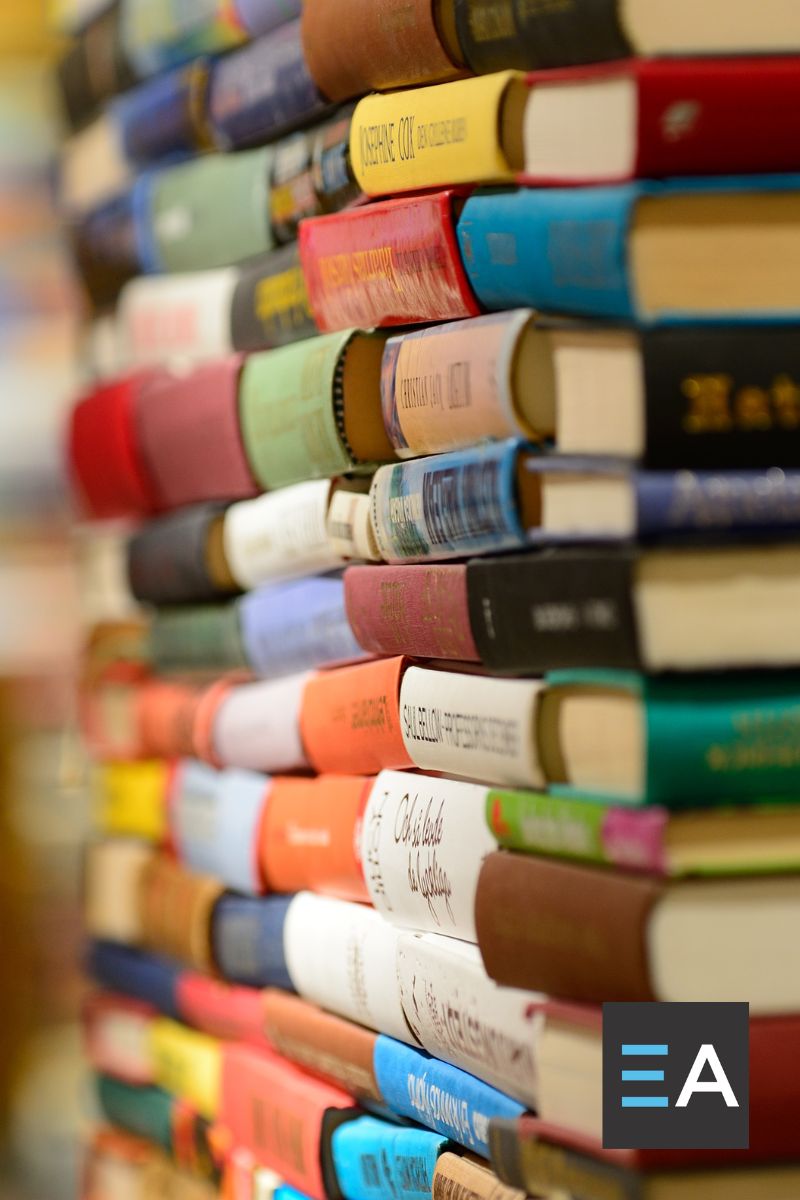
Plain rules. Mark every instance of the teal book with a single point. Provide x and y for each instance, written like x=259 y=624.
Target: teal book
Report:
x=675 y=251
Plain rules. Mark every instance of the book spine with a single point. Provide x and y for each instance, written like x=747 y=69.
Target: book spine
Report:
x=471 y=725
x=449 y=505
x=438 y=1096
x=156 y=38
x=257 y=726
x=451 y=386
x=554 y=249
x=309 y=838
x=116 y=1034
x=107 y=250
x=546 y=1167
x=331 y=169
x=176 y=319
x=212 y=211
x=270 y=304
x=262 y=16
x=420 y=611
x=371 y=1157
x=457 y=1178
x=589 y=941
x=169 y=560
x=537 y=823
x=343 y=957
x=422 y=844
x=338 y=1051
x=166 y=716
x=280 y=536
x=215 y=819
x=95 y=67
x=263 y=91
x=350 y=719
x=670 y=504
x=496 y=34
x=248 y=940
x=176 y=910
x=143 y=977
x=724 y=400
x=232 y=1014
x=299 y=626
x=276 y=1112
x=432 y=137
x=145 y=1112
x=348 y=523
x=108 y=473
x=160 y=118
x=393 y=263
x=357 y=48
x=539 y=612
x=289 y=417
x=113 y=877
x=131 y=799
x=292 y=197
x=203 y=637
x=187 y=1064
x=460 y=1016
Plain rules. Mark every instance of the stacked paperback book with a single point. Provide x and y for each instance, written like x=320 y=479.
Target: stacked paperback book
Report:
x=443 y=364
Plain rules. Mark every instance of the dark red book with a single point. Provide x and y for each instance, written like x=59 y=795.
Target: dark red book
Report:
x=107 y=467
x=395 y=262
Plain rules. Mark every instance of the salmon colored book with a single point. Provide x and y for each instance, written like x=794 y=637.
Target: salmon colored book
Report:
x=310 y=835
x=225 y=1011
x=335 y=1050
x=350 y=719
x=166 y=716
x=277 y=1112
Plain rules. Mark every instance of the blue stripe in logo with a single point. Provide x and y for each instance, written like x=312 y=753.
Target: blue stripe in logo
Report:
x=645 y=1101
x=633 y=1049
x=642 y=1076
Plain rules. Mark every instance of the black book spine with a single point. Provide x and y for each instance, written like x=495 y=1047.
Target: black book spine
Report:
x=168 y=561
x=533 y=34
x=94 y=68
x=722 y=398
x=539 y=1167
x=554 y=610
x=270 y=304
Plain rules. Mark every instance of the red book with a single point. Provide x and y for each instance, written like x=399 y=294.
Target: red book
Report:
x=395 y=262
x=233 y=1014
x=189 y=431
x=663 y=117
x=107 y=467
x=421 y=611
x=281 y=1116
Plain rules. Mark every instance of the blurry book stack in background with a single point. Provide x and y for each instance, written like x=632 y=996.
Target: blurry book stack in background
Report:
x=439 y=468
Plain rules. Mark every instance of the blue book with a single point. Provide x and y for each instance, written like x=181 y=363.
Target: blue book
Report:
x=680 y=250
x=159 y=119
x=247 y=940
x=262 y=16
x=143 y=977
x=439 y=1096
x=374 y=1159
x=215 y=820
x=263 y=91
x=294 y=627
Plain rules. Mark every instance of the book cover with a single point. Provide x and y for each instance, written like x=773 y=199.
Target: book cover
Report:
x=215 y=820
x=144 y=977
x=175 y=560
x=247 y=936
x=187 y=1064
x=257 y=726
x=280 y=536
x=371 y=1157
x=270 y=306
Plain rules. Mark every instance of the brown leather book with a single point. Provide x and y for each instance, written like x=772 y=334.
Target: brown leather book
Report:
x=357 y=46
x=175 y=912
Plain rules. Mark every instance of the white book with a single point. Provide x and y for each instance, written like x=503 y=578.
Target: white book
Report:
x=458 y=1014
x=280 y=536
x=112 y=884
x=343 y=957
x=473 y=726
x=257 y=726
x=422 y=844
x=176 y=321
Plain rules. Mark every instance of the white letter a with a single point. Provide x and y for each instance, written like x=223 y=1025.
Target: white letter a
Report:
x=707 y=1056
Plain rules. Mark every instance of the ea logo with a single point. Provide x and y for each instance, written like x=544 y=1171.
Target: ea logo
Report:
x=676 y=1076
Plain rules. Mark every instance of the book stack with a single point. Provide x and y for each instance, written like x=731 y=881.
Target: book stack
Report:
x=460 y=435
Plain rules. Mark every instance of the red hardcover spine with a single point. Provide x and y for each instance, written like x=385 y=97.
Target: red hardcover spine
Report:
x=420 y=611
x=718 y=116
x=191 y=439
x=395 y=262
x=233 y=1014
x=107 y=467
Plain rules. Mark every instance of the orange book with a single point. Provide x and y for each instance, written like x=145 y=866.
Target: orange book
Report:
x=167 y=713
x=281 y=1116
x=337 y=1051
x=350 y=719
x=175 y=912
x=309 y=838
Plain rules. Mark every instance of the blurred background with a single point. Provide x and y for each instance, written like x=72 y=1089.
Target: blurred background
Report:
x=42 y=797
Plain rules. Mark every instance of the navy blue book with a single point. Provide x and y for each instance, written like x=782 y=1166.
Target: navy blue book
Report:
x=144 y=977
x=162 y=118
x=681 y=250
x=247 y=939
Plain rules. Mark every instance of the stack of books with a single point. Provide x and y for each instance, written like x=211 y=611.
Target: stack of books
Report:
x=461 y=431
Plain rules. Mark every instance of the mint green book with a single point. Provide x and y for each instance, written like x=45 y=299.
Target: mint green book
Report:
x=313 y=410
x=680 y=741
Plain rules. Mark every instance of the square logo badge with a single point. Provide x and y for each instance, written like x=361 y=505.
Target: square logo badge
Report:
x=676 y=1076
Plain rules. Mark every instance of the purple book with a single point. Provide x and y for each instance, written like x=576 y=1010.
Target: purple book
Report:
x=262 y=16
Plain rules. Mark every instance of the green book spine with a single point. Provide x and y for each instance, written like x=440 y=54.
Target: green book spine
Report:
x=200 y=638
x=211 y=212
x=290 y=412
x=143 y=1111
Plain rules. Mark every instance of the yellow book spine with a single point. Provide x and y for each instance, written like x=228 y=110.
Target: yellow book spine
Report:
x=131 y=800
x=435 y=136
x=187 y=1064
